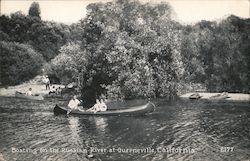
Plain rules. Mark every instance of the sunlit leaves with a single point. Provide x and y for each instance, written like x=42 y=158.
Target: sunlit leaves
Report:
x=69 y=63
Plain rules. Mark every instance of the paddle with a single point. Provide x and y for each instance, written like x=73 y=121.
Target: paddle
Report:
x=68 y=111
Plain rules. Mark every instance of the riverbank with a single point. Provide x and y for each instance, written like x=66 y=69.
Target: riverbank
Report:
x=37 y=88
x=231 y=96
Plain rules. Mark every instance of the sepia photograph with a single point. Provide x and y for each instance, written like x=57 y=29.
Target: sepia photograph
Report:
x=124 y=80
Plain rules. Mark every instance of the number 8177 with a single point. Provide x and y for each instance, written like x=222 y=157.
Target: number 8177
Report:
x=226 y=149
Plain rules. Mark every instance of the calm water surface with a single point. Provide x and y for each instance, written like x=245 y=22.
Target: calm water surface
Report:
x=199 y=129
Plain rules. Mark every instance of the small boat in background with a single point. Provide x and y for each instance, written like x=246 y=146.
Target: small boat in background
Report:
x=138 y=110
x=220 y=96
x=195 y=96
x=53 y=96
x=25 y=96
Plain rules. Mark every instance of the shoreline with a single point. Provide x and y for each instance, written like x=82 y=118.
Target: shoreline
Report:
x=232 y=96
x=37 y=88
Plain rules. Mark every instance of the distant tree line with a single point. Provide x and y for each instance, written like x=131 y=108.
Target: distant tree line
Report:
x=217 y=54
x=128 y=49
x=27 y=37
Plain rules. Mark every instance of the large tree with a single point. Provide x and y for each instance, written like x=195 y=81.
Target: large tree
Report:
x=132 y=46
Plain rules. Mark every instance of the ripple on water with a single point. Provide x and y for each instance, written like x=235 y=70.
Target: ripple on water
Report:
x=202 y=126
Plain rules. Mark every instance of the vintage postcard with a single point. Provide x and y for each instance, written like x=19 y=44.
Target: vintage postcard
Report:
x=132 y=80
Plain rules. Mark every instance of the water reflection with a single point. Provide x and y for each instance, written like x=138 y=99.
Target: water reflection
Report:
x=75 y=130
x=101 y=124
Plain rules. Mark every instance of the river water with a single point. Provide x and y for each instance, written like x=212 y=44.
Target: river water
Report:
x=177 y=130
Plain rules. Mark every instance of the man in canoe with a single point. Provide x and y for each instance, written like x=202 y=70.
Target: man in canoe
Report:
x=103 y=106
x=73 y=104
x=29 y=93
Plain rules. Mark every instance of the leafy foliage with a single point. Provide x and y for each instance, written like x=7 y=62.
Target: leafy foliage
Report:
x=129 y=51
x=45 y=37
x=68 y=64
x=217 y=54
x=18 y=63
x=30 y=35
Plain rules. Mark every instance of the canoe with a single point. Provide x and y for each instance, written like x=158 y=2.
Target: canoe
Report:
x=219 y=97
x=33 y=97
x=138 y=110
x=195 y=96
x=53 y=96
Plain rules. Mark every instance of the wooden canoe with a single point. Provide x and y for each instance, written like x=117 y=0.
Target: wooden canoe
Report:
x=33 y=97
x=53 y=96
x=138 y=110
x=219 y=97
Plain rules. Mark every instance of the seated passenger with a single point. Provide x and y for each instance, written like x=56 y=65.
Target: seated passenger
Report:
x=59 y=91
x=103 y=106
x=53 y=90
x=29 y=93
x=96 y=107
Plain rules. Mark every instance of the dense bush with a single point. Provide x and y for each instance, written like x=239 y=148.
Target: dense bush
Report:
x=31 y=39
x=18 y=63
x=68 y=64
